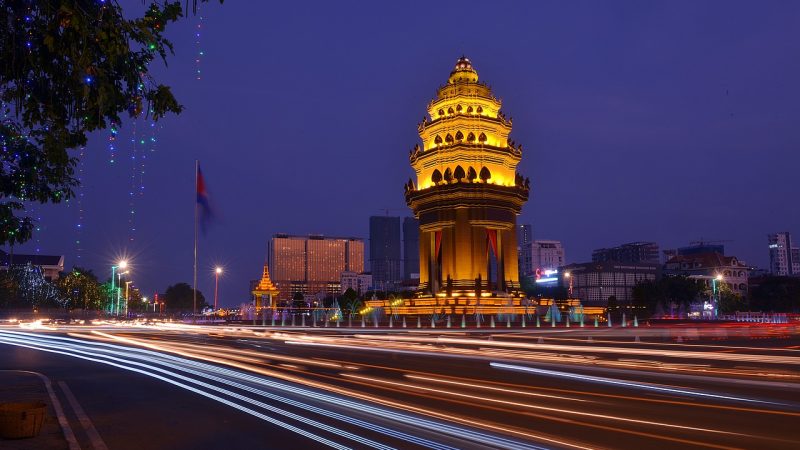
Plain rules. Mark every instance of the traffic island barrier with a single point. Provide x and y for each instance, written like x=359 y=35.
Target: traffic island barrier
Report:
x=21 y=420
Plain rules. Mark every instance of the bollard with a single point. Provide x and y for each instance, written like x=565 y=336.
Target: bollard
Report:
x=567 y=321
x=391 y=321
x=419 y=322
x=624 y=322
x=293 y=320
x=448 y=321
x=273 y=320
x=492 y=322
x=463 y=321
x=523 y=321
x=508 y=322
x=283 y=319
x=635 y=321
x=538 y=325
x=433 y=324
x=303 y=320
x=404 y=321
x=376 y=321
x=595 y=322
x=363 y=325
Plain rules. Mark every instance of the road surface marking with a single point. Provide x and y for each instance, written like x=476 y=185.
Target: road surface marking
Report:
x=86 y=423
x=62 y=419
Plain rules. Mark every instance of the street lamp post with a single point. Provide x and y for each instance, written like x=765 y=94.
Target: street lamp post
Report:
x=111 y=300
x=120 y=265
x=715 y=288
x=569 y=275
x=217 y=271
x=127 y=298
x=119 y=288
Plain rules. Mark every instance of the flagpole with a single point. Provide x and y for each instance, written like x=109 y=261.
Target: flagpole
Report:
x=194 y=282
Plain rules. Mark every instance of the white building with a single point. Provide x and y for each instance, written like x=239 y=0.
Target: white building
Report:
x=784 y=257
x=547 y=255
x=709 y=266
x=359 y=282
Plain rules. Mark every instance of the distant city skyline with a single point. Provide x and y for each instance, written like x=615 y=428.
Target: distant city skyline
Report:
x=669 y=123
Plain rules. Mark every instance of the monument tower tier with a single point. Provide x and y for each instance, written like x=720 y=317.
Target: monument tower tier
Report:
x=467 y=195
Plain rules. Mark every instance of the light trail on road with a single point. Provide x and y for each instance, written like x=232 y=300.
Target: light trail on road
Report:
x=409 y=389
x=131 y=359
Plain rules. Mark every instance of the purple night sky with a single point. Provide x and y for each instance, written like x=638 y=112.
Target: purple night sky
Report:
x=665 y=121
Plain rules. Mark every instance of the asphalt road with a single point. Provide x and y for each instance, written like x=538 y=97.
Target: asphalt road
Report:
x=174 y=386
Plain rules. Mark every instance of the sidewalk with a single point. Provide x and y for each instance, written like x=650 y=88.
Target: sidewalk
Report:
x=20 y=386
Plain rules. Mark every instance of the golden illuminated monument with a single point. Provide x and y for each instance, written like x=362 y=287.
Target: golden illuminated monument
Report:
x=466 y=196
x=264 y=292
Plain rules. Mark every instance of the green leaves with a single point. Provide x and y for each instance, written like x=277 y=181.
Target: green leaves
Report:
x=68 y=68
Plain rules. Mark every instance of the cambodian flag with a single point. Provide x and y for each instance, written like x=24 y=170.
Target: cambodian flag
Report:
x=205 y=213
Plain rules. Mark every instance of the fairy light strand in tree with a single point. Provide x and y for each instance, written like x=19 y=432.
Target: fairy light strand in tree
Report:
x=79 y=225
x=197 y=42
x=132 y=188
x=112 y=142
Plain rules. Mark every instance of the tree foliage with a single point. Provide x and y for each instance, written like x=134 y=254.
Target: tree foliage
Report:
x=30 y=289
x=350 y=302
x=667 y=292
x=80 y=289
x=68 y=68
x=179 y=298
x=776 y=294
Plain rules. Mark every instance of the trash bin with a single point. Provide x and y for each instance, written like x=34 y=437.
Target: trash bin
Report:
x=21 y=420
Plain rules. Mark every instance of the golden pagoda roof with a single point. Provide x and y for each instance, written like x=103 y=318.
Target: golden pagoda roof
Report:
x=463 y=72
x=265 y=285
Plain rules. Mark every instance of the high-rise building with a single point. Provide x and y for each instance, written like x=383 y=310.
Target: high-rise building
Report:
x=634 y=252
x=384 y=252
x=546 y=255
x=312 y=264
x=524 y=234
x=410 y=249
x=525 y=250
x=784 y=257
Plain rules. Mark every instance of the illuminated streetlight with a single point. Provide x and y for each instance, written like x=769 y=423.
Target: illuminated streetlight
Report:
x=119 y=286
x=122 y=264
x=715 y=288
x=217 y=271
x=569 y=275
